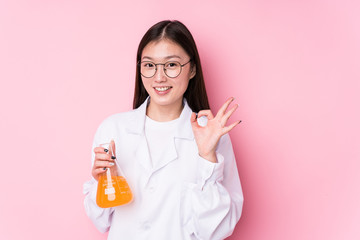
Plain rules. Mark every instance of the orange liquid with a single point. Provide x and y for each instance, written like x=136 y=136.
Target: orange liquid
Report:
x=107 y=197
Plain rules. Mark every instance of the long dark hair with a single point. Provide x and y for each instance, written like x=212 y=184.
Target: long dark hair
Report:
x=177 y=32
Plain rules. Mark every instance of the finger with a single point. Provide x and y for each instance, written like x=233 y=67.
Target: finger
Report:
x=98 y=171
x=103 y=157
x=223 y=108
x=230 y=127
x=100 y=150
x=206 y=113
x=228 y=114
x=193 y=120
x=193 y=117
x=102 y=164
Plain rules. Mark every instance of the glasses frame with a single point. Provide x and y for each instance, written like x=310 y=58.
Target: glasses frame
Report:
x=164 y=69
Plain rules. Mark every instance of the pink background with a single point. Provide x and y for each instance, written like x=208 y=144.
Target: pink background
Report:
x=293 y=67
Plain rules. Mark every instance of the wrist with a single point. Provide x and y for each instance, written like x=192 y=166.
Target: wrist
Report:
x=211 y=157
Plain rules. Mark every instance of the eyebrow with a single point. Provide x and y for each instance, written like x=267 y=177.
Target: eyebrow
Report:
x=168 y=57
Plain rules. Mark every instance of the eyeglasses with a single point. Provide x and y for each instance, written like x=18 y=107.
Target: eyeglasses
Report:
x=172 y=69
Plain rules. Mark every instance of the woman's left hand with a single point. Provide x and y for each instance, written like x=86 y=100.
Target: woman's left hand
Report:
x=207 y=137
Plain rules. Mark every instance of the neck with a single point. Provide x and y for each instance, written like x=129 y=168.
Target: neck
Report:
x=164 y=113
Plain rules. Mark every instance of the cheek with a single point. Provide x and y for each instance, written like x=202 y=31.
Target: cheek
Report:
x=184 y=84
x=145 y=82
x=147 y=85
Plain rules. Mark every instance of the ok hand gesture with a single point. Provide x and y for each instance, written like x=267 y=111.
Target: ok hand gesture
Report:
x=207 y=137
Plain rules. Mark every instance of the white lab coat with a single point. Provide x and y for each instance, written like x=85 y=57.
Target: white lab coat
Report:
x=183 y=197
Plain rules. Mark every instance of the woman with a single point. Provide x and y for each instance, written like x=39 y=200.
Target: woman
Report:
x=179 y=165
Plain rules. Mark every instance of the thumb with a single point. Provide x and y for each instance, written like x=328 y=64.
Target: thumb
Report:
x=193 y=120
x=112 y=146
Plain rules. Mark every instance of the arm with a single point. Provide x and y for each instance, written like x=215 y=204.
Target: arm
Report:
x=101 y=217
x=215 y=202
x=212 y=207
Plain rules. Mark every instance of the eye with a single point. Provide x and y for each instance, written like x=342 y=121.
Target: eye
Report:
x=172 y=65
x=148 y=64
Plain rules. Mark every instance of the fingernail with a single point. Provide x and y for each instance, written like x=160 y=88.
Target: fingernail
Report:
x=113 y=157
x=240 y=121
x=105 y=150
x=111 y=164
x=104 y=168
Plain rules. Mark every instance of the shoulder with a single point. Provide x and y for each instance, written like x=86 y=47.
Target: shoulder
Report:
x=116 y=123
x=118 y=117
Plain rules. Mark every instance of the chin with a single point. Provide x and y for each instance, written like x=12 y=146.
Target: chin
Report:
x=163 y=101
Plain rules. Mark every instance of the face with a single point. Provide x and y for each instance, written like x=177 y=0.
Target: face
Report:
x=163 y=90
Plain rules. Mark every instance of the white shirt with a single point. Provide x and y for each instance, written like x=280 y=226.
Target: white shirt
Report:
x=182 y=197
x=159 y=137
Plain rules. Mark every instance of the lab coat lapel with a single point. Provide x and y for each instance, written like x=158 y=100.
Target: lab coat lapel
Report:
x=169 y=156
x=136 y=126
x=184 y=129
x=142 y=153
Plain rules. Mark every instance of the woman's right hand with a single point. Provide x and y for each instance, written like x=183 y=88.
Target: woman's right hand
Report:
x=102 y=161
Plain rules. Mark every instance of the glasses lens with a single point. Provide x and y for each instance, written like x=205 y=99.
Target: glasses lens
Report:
x=147 y=69
x=172 y=69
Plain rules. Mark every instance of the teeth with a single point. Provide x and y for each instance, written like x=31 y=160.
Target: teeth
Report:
x=161 y=89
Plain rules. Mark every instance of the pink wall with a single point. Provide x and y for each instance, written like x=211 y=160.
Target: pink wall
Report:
x=293 y=67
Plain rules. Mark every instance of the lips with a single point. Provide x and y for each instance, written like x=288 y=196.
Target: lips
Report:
x=162 y=89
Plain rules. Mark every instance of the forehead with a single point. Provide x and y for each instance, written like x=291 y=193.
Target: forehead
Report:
x=163 y=49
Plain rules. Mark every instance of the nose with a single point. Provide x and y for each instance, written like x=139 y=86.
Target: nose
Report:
x=160 y=74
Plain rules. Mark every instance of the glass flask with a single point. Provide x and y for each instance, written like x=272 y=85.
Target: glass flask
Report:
x=113 y=189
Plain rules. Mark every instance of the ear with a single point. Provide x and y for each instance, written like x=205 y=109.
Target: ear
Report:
x=193 y=71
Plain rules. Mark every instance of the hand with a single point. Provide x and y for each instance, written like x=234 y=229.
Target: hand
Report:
x=208 y=137
x=102 y=160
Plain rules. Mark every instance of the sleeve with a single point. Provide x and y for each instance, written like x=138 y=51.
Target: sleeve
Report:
x=212 y=206
x=101 y=217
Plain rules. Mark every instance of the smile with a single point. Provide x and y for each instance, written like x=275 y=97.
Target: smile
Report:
x=162 y=89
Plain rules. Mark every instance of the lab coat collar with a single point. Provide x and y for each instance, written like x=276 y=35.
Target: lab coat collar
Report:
x=184 y=129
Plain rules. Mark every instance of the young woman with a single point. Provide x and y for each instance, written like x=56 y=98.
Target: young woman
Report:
x=180 y=165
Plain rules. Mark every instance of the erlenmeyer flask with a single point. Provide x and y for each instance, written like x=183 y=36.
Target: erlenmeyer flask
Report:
x=113 y=189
